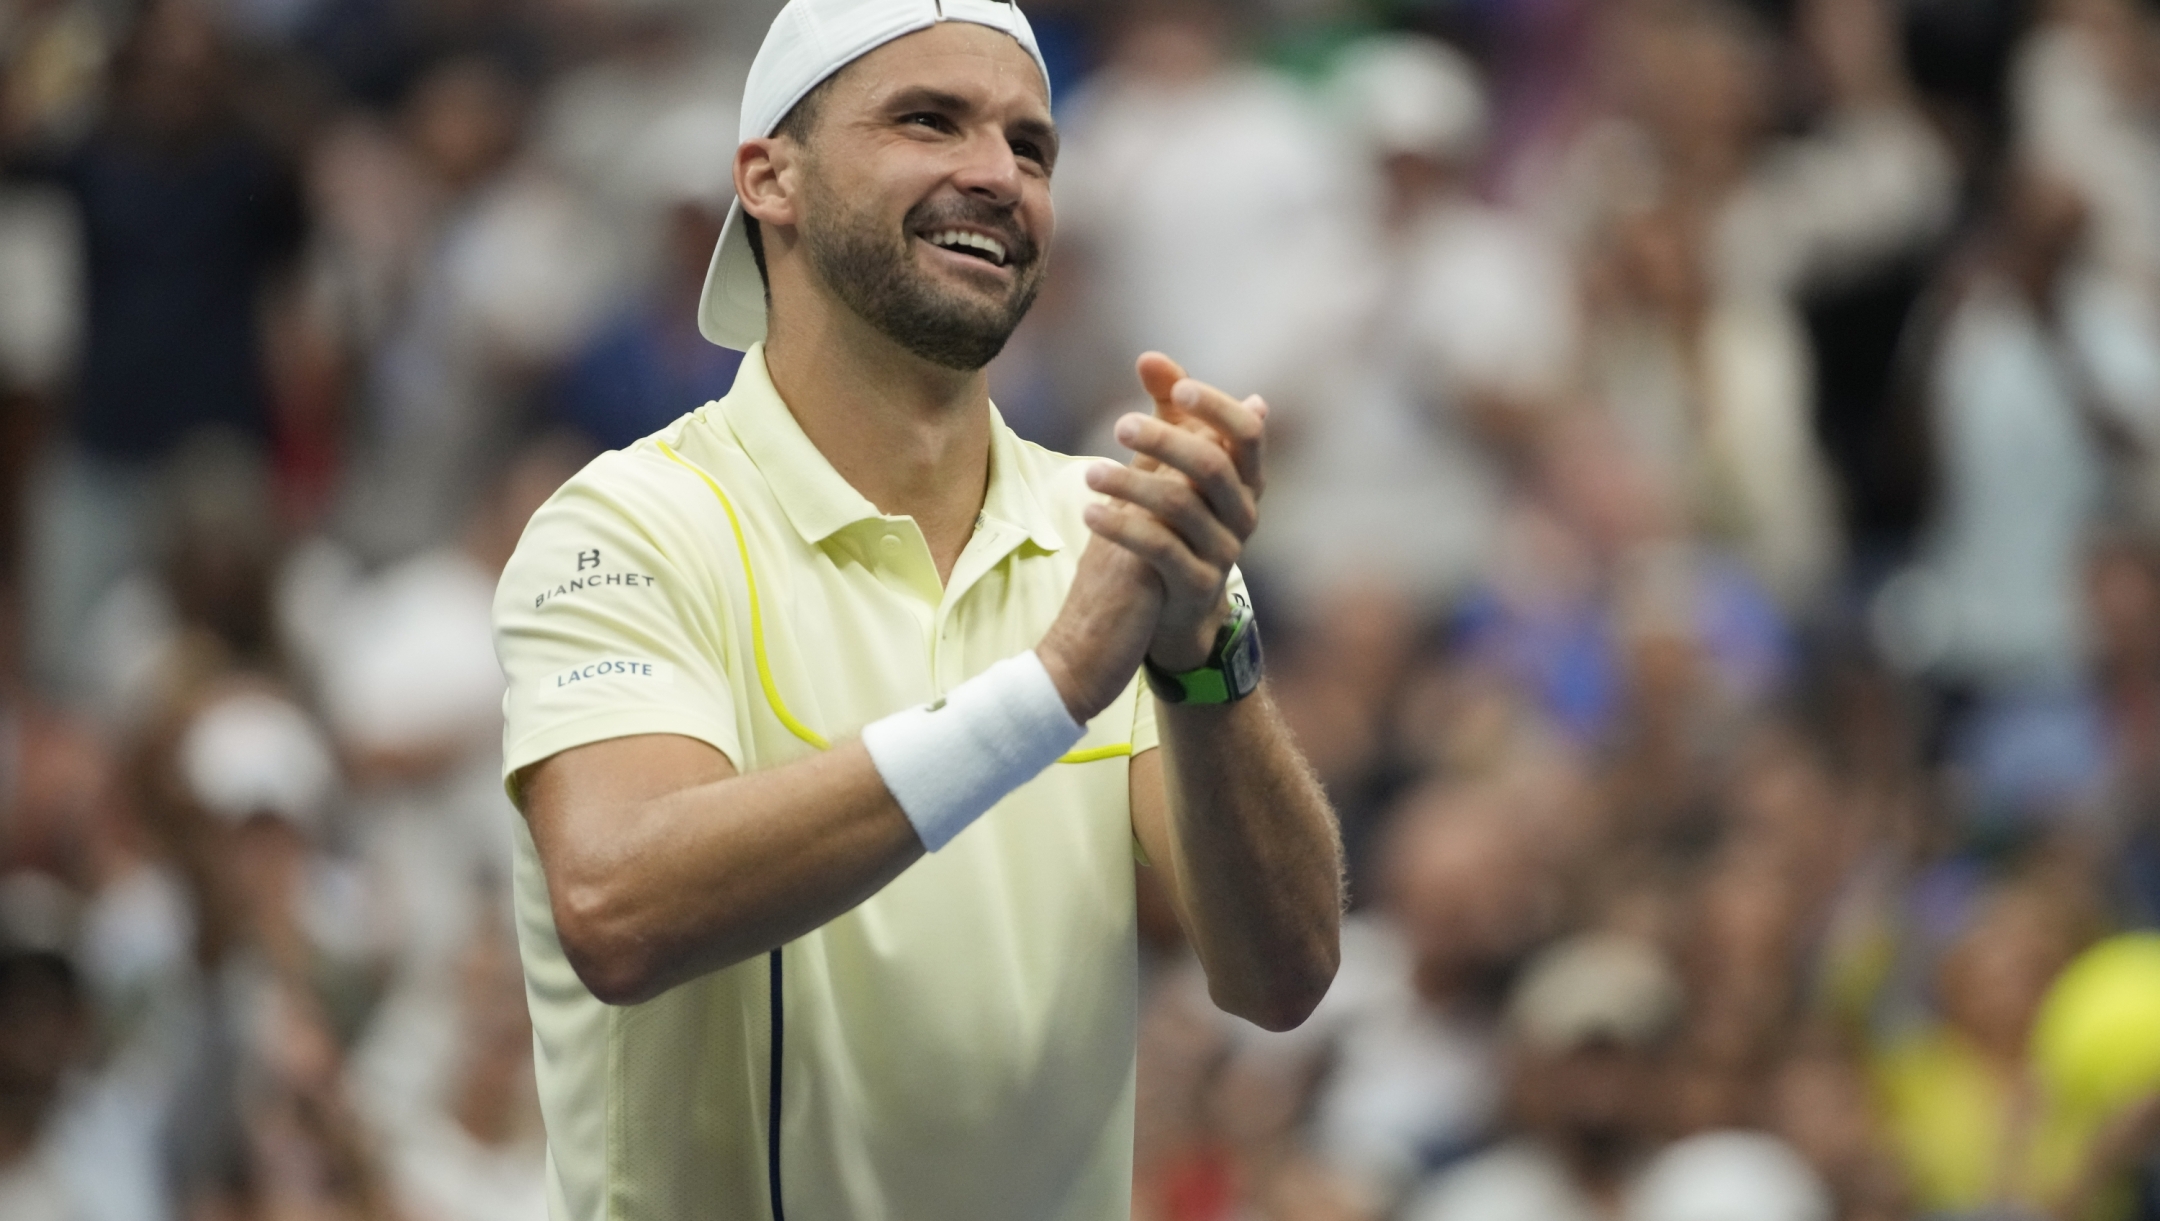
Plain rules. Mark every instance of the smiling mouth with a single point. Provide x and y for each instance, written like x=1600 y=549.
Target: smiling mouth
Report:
x=974 y=245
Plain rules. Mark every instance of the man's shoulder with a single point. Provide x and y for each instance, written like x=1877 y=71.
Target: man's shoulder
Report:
x=664 y=472
x=654 y=499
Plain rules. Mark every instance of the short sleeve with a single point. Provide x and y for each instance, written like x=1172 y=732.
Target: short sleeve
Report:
x=1146 y=735
x=605 y=623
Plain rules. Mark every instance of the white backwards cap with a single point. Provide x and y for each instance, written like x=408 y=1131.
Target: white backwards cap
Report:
x=809 y=41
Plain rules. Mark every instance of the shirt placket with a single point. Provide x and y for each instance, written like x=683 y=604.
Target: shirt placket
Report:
x=991 y=543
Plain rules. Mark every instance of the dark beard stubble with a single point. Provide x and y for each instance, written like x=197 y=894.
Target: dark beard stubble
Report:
x=876 y=277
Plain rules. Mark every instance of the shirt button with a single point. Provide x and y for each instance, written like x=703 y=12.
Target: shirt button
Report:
x=890 y=544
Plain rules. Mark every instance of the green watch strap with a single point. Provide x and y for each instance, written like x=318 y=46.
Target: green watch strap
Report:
x=1231 y=672
x=1202 y=686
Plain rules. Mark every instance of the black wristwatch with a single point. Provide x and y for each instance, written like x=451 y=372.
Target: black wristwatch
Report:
x=1232 y=669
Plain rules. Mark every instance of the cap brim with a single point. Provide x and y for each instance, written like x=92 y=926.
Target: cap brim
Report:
x=731 y=312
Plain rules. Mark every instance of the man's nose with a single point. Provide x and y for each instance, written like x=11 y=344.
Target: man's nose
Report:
x=990 y=171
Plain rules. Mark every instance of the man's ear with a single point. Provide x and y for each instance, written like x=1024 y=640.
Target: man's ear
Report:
x=765 y=180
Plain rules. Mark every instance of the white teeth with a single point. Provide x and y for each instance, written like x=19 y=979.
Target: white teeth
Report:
x=976 y=241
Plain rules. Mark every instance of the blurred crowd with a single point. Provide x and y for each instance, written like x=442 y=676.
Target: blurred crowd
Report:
x=1711 y=556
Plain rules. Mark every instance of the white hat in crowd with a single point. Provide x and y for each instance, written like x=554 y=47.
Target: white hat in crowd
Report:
x=1729 y=1176
x=809 y=41
x=253 y=753
x=1595 y=987
x=1406 y=93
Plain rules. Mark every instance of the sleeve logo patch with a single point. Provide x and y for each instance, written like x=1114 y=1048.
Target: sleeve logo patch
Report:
x=616 y=667
x=598 y=580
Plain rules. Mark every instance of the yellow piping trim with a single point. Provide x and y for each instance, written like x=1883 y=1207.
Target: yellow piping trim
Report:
x=757 y=619
x=757 y=634
x=1120 y=751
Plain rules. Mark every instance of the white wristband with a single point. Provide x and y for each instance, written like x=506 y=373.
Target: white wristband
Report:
x=948 y=763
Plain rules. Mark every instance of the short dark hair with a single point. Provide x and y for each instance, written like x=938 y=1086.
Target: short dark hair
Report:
x=799 y=124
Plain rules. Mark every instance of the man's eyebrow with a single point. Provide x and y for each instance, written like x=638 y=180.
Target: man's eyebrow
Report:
x=925 y=97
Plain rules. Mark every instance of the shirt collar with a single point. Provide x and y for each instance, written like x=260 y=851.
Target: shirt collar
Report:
x=1012 y=498
x=820 y=503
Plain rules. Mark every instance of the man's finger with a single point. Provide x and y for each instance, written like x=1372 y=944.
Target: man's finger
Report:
x=1173 y=499
x=1200 y=459
x=1241 y=425
x=1141 y=533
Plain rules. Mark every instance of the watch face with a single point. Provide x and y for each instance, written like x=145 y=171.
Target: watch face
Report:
x=1243 y=664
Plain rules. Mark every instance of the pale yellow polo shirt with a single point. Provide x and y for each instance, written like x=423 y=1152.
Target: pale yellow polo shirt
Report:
x=959 y=1047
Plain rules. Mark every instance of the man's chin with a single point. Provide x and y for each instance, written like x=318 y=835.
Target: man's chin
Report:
x=958 y=329
x=959 y=348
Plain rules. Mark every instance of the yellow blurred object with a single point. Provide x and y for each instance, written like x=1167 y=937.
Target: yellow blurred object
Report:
x=2096 y=1050
x=2097 y=1041
x=1948 y=1111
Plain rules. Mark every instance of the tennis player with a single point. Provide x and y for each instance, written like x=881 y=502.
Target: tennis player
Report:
x=826 y=709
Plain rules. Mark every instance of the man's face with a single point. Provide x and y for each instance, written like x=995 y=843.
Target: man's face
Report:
x=926 y=191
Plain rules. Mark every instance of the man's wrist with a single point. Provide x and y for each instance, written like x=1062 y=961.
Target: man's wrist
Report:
x=1061 y=677
x=1190 y=650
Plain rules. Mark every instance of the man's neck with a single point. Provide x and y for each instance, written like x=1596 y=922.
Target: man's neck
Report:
x=911 y=436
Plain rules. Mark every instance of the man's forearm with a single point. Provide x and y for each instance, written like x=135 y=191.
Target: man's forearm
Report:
x=1257 y=858
x=651 y=889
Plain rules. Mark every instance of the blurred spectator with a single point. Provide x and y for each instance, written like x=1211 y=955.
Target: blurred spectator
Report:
x=1600 y=609
x=289 y=943
x=510 y=270
x=648 y=131
x=648 y=364
x=1822 y=1103
x=260 y=770
x=651 y=112
x=448 y=1081
x=200 y=601
x=1710 y=232
x=1409 y=1035
x=403 y=663
x=186 y=215
x=1491 y=301
x=374 y=50
x=2084 y=90
x=1957 y=1095
x=1212 y=215
x=1585 y=1028
x=52 y=54
x=44 y=1030
x=40 y=245
x=1467 y=336
x=2123 y=592
x=1343 y=672
x=2043 y=383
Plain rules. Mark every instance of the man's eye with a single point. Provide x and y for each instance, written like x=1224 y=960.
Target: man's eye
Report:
x=929 y=119
x=1028 y=151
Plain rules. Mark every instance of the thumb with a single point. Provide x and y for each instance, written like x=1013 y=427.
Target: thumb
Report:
x=1159 y=375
